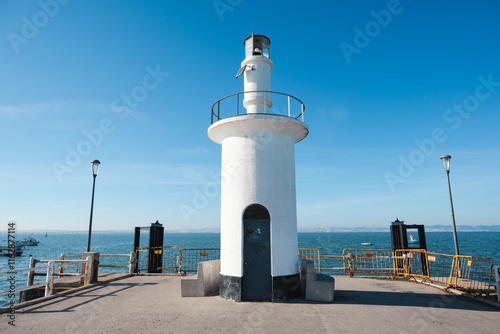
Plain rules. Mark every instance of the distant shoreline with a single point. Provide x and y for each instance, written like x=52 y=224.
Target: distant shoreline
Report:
x=430 y=229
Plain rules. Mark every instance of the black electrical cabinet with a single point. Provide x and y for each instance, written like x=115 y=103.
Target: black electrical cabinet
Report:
x=155 y=251
x=407 y=237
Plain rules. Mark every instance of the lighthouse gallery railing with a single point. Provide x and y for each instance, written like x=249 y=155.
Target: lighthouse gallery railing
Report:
x=288 y=108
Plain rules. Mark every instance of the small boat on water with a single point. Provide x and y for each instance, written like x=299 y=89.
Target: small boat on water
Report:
x=412 y=240
x=366 y=244
x=30 y=242
x=17 y=250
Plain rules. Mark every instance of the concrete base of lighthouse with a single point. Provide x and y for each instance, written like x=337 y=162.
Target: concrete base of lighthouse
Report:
x=283 y=288
x=230 y=288
x=286 y=288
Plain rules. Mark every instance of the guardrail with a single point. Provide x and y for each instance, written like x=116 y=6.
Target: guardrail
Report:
x=286 y=111
x=310 y=254
x=190 y=257
x=368 y=261
x=50 y=272
x=469 y=273
x=170 y=259
x=131 y=263
x=333 y=264
x=418 y=263
x=473 y=274
x=174 y=259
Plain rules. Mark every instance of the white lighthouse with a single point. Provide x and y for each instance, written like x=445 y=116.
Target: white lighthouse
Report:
x=259 y=248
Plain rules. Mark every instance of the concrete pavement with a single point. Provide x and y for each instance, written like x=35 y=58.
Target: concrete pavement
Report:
x=153 y=304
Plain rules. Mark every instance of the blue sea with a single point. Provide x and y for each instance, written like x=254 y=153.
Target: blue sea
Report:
x=482 y=244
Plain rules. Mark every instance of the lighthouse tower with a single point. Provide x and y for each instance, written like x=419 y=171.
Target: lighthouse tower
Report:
x=259 y=248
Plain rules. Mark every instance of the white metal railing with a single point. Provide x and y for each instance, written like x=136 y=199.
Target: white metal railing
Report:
x=50 y=273
x=216 y=107
x=131 y=265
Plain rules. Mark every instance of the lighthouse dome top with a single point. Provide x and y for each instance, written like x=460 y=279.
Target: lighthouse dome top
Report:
x=257 y=45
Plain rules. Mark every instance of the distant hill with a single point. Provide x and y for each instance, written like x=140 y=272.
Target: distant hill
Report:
x=463 y=228
x=428 y=228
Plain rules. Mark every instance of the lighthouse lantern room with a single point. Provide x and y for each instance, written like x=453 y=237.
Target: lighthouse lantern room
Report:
x=259 y=248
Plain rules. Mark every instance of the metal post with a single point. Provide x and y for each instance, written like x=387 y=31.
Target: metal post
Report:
x=288 y=105
x=265 y=102
x=452 y=214
x=90 y=267
x=61 y=267
x=91 y=212
x=31 y=274
x=132 y=267
x=49 y=280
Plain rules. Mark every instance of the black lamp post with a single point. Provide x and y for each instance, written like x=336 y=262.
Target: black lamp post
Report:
x=446 y=165
x=95 y=169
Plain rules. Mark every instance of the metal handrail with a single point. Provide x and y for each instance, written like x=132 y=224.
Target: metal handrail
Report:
x=311 y=253
x=218 y=118
x=202 y=251
x=130 y=256
x=162 y=250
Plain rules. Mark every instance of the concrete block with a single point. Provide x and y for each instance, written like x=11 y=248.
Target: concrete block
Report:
x=206 y=282
x=318 y=287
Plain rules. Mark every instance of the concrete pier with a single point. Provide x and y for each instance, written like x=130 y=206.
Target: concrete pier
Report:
x=153 y=304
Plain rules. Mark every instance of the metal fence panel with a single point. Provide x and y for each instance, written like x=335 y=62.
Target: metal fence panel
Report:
x=472 y=274
x=411 y=263
x=369 y=261
x=332 y=264
x=170 y=263
x=171 y=259
x=190 y=257
x=439 y=267
x=310 y=254
x=469 y=273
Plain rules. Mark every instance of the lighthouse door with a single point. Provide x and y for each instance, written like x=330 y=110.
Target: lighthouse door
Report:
x=256 y=281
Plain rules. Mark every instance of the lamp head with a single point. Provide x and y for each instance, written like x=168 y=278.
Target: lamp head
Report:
x=446 y=162
x=95 y=167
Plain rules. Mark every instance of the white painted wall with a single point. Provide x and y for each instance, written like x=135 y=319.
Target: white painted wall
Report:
x=259 y=167
x=257 y=79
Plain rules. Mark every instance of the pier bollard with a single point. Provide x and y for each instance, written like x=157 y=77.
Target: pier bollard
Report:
x=95 y=265
x=132 y=267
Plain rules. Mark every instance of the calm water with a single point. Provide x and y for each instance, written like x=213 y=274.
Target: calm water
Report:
x=484 y=244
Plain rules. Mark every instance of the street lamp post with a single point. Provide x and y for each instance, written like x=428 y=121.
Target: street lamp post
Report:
x=95 y=169
x=446 y=165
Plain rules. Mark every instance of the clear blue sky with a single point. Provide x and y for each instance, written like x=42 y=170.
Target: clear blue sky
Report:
x=388 y=86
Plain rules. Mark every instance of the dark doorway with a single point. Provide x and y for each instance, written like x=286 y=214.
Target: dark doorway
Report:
x=256 y=281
